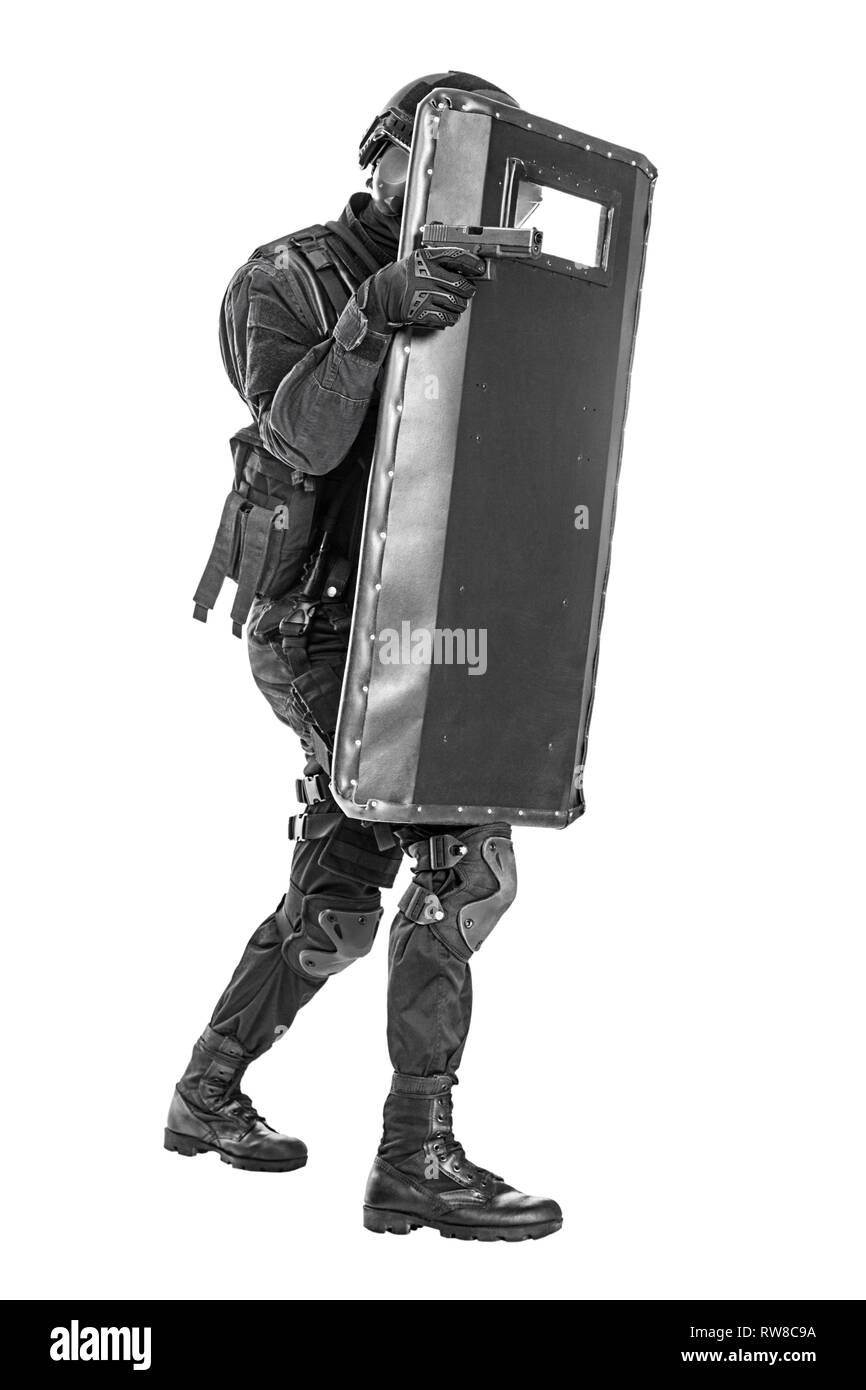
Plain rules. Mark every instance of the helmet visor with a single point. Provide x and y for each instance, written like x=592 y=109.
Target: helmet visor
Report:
x=393 y=127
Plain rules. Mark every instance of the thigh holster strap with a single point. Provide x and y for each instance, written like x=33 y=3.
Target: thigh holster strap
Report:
x=306 y=827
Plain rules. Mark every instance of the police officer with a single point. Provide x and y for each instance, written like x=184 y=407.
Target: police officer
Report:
x=305 y=328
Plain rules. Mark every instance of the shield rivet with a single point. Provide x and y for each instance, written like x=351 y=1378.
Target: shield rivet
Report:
x=365 y=688
x=377 y=587
x=357 y=743
x=382 y=535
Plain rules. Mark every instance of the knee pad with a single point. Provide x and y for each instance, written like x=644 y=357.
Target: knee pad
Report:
x=481 y=883
x=322 y=933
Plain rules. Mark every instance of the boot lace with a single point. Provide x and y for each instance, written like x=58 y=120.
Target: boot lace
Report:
x=240 y=1105
x=445 y=1146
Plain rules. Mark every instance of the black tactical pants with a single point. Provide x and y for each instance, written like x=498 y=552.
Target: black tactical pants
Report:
x=464 y=880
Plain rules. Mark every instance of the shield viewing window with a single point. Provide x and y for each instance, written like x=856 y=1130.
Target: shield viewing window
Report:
x=574 y=229
x=575 y=219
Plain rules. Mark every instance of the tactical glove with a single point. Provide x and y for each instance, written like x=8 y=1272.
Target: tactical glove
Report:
x=430 y=288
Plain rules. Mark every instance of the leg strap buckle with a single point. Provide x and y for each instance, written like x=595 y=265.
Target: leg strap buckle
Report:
x=437 y=852
x=421 y=907
x=309 y=790
x=305 y=827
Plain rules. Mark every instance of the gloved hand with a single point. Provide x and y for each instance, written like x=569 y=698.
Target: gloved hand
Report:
x=430 y=288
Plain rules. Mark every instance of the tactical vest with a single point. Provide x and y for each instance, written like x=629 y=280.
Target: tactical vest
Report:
x=265 y=533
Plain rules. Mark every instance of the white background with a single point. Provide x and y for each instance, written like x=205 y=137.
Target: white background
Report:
x=668 y=1032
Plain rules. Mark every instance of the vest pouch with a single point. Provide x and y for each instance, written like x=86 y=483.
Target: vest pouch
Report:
x=289 y=497
x=263 y=537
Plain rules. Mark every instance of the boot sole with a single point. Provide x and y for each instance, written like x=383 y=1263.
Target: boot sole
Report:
x=188 y=1147
x=399 y=1223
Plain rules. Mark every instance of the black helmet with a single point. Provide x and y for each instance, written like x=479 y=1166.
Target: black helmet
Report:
x=394 y=125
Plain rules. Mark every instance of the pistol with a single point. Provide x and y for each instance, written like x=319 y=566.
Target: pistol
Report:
x=495 y=243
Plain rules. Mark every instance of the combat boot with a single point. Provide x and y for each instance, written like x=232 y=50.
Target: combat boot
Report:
x=422 y=1177
x=210 y=1114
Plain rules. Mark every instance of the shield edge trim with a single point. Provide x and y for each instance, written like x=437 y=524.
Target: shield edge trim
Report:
x=514 y=115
